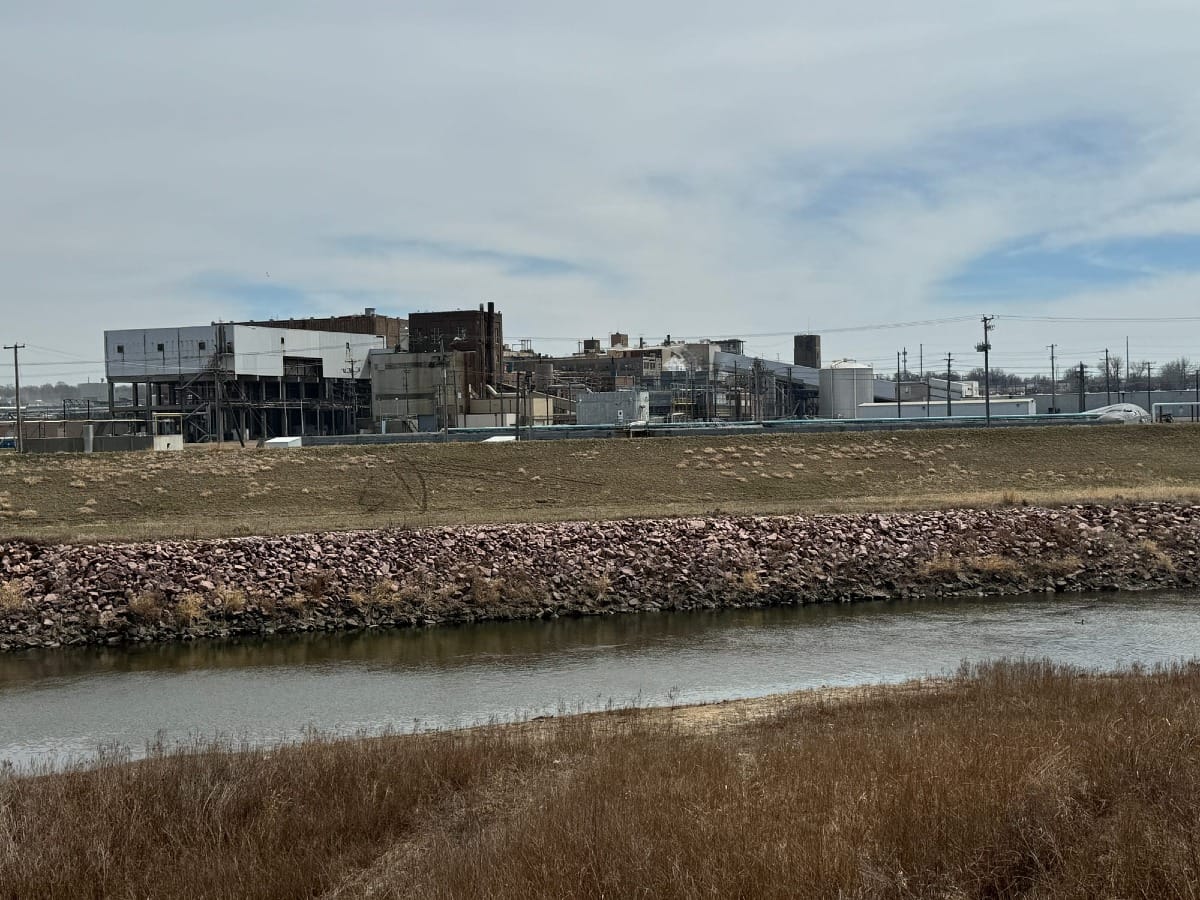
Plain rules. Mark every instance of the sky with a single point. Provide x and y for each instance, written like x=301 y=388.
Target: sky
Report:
x=697 y=169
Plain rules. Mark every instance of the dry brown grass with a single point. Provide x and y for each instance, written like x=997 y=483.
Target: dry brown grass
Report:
x=230 y=599
x=147 y=606
x=196 y=493
x=1017 y=779
x=188 y=608
x=484 y=589
x=1156 y=555
x=314 y=584
x=12 y=596
x=992 y=566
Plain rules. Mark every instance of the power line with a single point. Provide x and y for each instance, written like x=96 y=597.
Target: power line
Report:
x=1104 y=319
x=770 y=334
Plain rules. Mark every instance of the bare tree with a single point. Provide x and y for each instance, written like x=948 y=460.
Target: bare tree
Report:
x=1116 y=374
x=1174 y=375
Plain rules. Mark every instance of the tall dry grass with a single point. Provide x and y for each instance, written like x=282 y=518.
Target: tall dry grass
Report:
x=1023 y=780
x=1017 y=779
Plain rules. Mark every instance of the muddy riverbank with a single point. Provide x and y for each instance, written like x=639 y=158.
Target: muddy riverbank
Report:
x=56 y=595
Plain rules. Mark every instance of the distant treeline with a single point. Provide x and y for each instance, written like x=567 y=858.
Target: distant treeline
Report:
x=1139 y=375
x=57 y=393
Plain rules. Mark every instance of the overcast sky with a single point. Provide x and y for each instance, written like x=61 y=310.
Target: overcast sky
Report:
x=750 y=168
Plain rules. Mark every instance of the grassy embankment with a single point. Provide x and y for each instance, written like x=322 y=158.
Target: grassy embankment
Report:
x=202 y=493
x=1019 y=779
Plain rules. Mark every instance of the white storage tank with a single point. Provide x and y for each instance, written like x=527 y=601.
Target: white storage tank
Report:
x=845 y=384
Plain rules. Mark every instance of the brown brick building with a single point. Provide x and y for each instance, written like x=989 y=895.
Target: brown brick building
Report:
x=392 y=329
x=467 y=330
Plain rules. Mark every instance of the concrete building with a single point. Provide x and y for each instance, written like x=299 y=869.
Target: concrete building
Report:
x=613 y=408
x=94 y=391
x=246 y=382
x=529 y=408
x=422 y=391
x=934 y=389
x=433 y=391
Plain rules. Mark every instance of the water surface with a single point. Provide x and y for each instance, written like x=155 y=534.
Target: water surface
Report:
x=69 y=702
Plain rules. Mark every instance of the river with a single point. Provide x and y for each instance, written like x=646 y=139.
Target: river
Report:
x=65 y=704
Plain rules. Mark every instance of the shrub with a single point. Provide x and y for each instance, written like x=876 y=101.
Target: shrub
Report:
x=189 y=608
x=315 y=584
x=230 y=599
x=996 y=566
x=750 y=582
x=146 y=606
x=941 y=566
x=597 y=587
x=384 y=594
x=12 y=596
x=1156 y=555
x=484 y=589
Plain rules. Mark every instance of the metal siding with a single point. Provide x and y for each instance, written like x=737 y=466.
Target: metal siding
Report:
x=142 y=360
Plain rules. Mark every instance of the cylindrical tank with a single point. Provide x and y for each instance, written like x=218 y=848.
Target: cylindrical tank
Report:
x=843 y=385
x=543 y=375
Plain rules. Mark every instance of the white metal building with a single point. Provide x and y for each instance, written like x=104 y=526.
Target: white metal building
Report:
x=147 y=354
x=1001 y=406
x=244 y=381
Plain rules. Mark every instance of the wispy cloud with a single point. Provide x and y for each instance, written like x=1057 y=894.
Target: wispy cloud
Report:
x=513 y=265
x=1031 y=270
x=775 y=165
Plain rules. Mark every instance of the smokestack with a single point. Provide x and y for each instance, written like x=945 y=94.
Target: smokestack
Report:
x=489 y=343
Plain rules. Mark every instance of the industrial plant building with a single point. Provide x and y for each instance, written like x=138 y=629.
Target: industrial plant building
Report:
x=241 y=381
x=685 y=380
x=433 y=371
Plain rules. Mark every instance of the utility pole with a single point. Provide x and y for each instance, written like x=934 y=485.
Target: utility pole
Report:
x=1082 y=387
x=349 y=394
x=1107 y=380
x=984 y=348
x=16 y=349
x=924 y=376
x=1149 y=399
x=899 y=408
x=516 y=410
x=949 y=410
x=1053 y=381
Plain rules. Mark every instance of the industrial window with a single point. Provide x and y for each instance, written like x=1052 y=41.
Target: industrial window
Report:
x=161 y=347
x=204 y=345
x=120 y=348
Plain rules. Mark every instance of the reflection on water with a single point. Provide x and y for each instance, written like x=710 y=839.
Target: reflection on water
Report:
x=70 y=701
x=508 y=643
